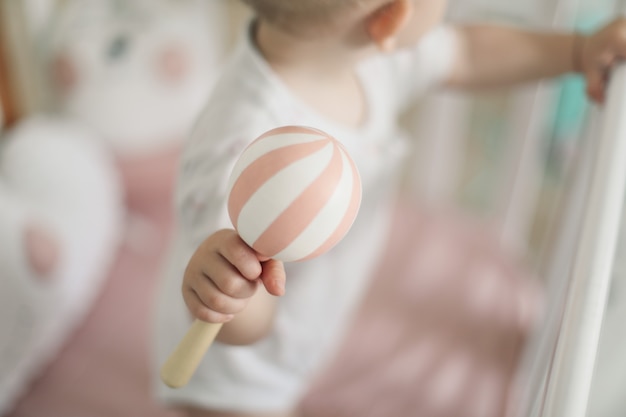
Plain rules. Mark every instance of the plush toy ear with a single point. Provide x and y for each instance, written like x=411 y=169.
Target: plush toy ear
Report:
x=384 y=23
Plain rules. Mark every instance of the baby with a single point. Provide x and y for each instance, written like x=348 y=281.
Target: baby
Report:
x=349 y=68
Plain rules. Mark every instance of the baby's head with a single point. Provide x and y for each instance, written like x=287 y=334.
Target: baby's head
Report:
x=386 y=22
x=301 y=17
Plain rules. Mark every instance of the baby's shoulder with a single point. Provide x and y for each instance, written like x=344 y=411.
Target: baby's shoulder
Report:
x=238 y=104
x=225 y=127
x=245 y=102
x=241 y=120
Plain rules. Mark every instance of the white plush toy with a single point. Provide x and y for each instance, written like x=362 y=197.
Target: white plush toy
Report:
x=134 y=74
x=60 y=226
x=137 y=72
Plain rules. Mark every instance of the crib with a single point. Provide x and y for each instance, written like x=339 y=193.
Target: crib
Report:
x=522 y=244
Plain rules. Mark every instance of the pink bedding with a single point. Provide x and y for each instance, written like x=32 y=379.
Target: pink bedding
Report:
x=439 y=333
x=103 y=370
x=441 y=330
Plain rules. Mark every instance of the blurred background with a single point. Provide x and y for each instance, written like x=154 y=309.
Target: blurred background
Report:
x=96 y=100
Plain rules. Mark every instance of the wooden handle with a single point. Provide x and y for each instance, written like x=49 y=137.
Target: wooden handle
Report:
x=183 y=362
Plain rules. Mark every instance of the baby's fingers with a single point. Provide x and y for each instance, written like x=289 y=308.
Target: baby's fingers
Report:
x=206 y=302
x=229 y=280
x=241 y=256
x=273 y=277
x=618 y=29
x=596 y=85
x=200 y=311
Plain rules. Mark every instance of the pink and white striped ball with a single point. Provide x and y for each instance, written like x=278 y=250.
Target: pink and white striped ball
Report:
x=294 y=193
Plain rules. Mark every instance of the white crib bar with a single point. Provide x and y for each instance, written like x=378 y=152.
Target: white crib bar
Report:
x=571 y=372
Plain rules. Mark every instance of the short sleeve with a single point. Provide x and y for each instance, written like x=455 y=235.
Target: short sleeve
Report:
x=418 y=70
x=210 y=154
x=201 y=196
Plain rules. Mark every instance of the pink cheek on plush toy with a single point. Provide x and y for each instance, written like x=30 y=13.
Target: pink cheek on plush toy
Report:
x=295 y=193
x=64 y=73
x=42 y=251
x=172 y=63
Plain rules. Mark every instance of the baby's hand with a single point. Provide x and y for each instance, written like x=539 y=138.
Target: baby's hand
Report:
x=598 y=54
x=224 y=273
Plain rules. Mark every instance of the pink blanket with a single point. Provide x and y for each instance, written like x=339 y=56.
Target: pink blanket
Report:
x=441 y=330
x=439 y=333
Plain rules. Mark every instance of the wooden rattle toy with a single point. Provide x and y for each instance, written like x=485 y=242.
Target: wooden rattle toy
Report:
x=294 y=194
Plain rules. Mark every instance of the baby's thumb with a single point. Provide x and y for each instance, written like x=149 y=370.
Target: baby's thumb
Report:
x=273 y=277
x=596 y=85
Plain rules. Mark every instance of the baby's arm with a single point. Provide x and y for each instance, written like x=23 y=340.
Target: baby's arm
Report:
x=221 y=285
x=496 y=56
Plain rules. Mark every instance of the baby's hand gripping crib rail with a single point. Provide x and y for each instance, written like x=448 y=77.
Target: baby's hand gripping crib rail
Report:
x=567 y=383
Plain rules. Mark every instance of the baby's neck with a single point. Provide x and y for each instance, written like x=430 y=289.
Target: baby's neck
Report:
x=320 y=72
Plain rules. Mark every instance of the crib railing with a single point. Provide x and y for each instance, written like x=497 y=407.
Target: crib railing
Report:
x=563 y=379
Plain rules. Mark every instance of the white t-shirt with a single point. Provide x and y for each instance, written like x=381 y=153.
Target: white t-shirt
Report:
x=320 y=295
